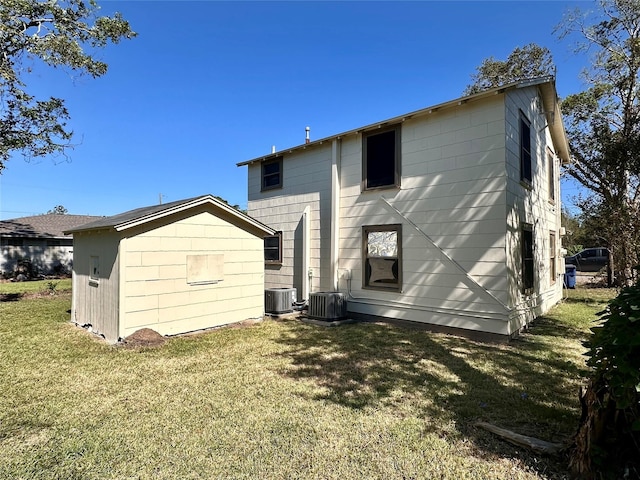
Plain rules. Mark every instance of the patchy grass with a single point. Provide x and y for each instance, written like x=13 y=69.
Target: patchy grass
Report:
x=283 y=399
x=15 y=290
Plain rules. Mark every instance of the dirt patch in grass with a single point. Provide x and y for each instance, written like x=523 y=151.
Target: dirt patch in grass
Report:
x=144 y=337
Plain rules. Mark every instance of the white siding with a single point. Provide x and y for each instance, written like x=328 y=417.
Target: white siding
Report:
x=452 y=208
x=460 y=205
x=156 y=292
x=306 y=182
x=96 y=303
x=530 y=205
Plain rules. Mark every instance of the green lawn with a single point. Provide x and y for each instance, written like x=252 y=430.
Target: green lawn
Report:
x=283 y=399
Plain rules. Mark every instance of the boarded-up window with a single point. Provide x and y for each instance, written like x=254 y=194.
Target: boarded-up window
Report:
x=203 y=269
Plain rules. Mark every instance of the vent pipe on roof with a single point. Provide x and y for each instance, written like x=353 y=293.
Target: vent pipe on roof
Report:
x=306 y=139
x=273 y=149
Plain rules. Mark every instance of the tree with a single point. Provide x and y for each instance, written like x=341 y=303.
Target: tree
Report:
x=530 y=61
x=57 y=34
x=58 y=210
x=603 y=127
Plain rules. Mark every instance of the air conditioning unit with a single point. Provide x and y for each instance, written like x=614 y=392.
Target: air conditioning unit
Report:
x=327 y=306
x=279 y=300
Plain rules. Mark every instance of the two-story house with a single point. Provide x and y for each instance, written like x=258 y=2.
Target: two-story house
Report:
x=449 y=215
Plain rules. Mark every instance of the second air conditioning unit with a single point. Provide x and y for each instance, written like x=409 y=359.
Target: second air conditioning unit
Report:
x=327 y=306
x=279 y=300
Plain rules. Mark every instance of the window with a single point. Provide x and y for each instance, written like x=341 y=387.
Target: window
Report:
x=12 y=241
x=552 y=177
x=381 y=159
x=205 y=269
x=94 y=269
x=552 y=256
x=273 y=249
x=527 y=258
x=382 y=262
x=525 y=150
x=272 y=174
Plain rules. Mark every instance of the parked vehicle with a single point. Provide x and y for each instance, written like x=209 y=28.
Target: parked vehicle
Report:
x=589 y=260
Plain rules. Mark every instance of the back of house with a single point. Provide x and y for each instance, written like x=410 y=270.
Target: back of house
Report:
x=447 y=216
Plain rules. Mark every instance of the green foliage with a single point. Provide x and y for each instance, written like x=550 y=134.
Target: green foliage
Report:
x=530 y=61
x=56 y=33
x=52 y=288
x=58 y=210
x=603 y=127
x=614 y=350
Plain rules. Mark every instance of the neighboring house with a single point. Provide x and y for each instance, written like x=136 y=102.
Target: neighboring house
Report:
x=37 y=243
x=174 y=268
x=448 y=216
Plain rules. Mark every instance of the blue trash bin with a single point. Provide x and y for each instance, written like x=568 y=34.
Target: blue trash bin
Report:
x=570 y=276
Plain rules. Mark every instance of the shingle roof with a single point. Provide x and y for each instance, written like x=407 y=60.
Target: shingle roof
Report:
x=143 y=215
x=125 y=217
x=48 y=225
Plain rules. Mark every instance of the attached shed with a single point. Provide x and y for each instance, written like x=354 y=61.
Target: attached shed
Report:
x=174 y=268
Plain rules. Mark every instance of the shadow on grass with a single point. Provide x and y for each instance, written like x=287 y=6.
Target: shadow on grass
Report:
x=446 y=380
x=10 y=297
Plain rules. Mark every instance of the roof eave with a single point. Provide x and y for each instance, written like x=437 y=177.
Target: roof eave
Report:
x=181 y=207
x=407 y=116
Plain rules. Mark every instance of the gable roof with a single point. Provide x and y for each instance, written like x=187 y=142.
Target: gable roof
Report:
x=50 y=225
x=140 y=216
x=546 y=85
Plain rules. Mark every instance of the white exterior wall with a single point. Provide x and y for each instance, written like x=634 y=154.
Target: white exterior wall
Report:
x=460 y=205
x=95 y=303
x=155 y=291
x=531 y=205
x=306 y=182
x=451 y=205
x=45 y=258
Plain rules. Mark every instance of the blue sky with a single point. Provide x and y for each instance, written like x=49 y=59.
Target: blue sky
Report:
x=208 y=84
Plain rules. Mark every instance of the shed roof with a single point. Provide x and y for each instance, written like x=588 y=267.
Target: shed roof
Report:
x=140 y=216
x=50 y=225
x=547 y=86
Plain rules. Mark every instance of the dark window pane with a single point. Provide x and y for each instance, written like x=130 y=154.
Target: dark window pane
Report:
x=270 y=168
x=272 y=174
x=527 y=259
x=381 y=159
x=272 y=180
x=525 y=151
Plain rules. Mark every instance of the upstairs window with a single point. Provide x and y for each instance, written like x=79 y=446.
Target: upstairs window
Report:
x=273 y=249
x=526 y=172
x=272 y=174
x=382 y=257
x=381 y=159
x=552 y=177
x=527 y=258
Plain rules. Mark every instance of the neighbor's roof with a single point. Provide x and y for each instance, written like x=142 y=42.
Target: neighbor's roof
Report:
x=139 y=216
x=547 y=86
x=50 y=225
